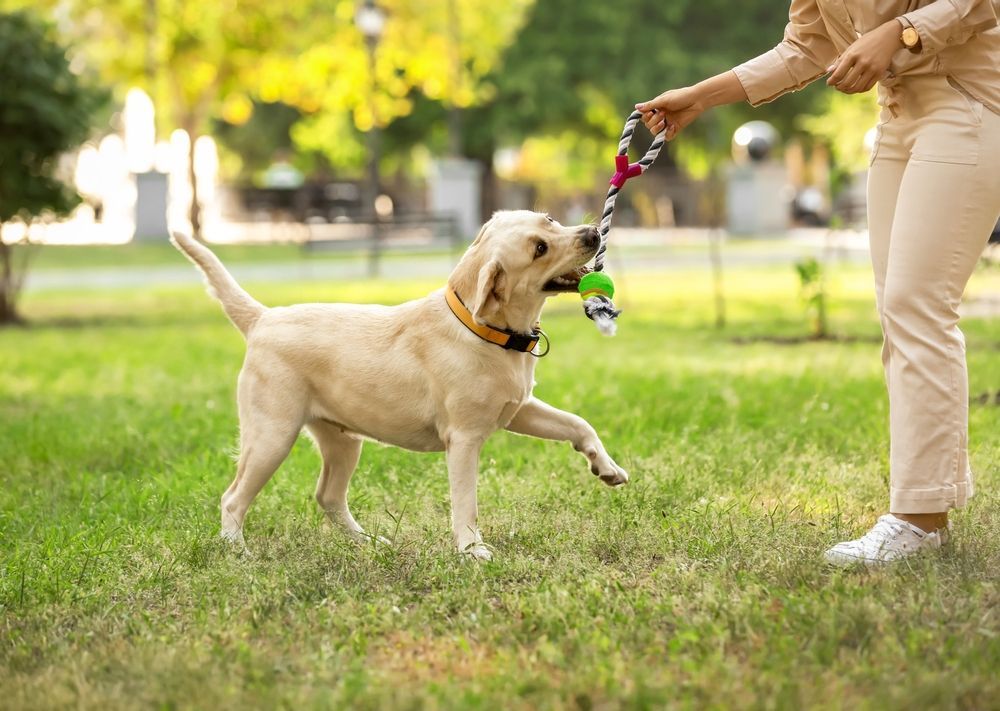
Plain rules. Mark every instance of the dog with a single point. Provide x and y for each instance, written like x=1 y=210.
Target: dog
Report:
x=441 y=373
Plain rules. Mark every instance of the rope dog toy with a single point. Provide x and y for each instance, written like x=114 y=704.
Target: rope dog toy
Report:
x=596 y=288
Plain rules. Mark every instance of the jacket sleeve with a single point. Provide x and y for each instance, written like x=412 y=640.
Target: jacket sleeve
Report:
x=801 y=57
x=943 y=23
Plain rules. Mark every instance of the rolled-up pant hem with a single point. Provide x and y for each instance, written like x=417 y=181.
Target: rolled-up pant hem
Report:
x=937 y=500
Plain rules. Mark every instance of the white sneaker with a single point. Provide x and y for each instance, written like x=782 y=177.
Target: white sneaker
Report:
x=889 y=540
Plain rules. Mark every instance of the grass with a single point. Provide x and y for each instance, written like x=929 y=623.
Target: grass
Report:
x=698 y=585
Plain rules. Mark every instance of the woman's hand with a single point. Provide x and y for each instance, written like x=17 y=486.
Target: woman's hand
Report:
x=671 y=111
x=866 y=60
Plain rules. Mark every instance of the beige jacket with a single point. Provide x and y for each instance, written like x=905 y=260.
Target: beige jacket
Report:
x=959 y=38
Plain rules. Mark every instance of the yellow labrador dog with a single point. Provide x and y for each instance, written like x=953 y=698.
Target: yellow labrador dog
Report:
x=440 y=373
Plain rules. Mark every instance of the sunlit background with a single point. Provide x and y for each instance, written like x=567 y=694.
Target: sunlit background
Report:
x=331 y=112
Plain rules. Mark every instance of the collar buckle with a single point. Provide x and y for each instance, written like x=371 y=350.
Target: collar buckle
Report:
x=521 y=342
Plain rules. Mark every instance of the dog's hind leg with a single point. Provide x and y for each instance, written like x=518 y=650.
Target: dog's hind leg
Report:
x=270 y=420
x=340 y=454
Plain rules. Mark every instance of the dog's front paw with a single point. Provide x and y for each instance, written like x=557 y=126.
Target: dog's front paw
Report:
x=364 y=538
x=234 y=539
x=471 y=546
x=477 y=551
x=610 y=473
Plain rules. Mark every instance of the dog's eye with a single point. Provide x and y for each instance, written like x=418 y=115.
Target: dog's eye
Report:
x=540 y=249
x=549 y=218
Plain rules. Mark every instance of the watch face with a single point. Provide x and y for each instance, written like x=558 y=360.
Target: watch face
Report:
x=910 y=37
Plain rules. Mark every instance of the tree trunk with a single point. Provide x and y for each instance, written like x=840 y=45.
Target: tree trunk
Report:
x=10 y=286
x=487 y=188
x=194 y=212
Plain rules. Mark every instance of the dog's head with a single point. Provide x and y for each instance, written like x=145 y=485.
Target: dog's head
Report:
x=519 y=259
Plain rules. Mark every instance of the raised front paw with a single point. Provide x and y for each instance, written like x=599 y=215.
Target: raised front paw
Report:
x=609 y=472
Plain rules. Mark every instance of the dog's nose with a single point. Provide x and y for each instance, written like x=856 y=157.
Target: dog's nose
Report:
x=591 y=237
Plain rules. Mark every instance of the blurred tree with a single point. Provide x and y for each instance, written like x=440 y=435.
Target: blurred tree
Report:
x=578 y=66
x=841 y=122
x=436 y=51
x=251 y=146
x=464 y=76
x=45 y=110
x=198 y=60
x=210 y=60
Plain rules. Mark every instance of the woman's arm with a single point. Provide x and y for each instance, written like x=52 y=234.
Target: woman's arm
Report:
x=867 y=60
x=675 y=109
x=800 y=58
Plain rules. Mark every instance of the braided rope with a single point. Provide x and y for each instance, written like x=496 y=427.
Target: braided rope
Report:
x=600 y=308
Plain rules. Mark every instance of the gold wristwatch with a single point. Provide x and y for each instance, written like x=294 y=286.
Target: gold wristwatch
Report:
x=910 y=38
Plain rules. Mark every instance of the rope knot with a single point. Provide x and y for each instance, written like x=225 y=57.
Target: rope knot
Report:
x=601 y=310
x=623 y=171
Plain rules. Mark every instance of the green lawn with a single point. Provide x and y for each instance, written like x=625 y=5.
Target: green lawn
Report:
x=699 y=584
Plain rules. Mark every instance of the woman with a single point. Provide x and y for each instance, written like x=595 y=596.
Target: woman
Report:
x=933 y=197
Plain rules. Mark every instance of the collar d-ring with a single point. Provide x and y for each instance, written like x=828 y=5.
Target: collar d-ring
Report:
x=542 y=336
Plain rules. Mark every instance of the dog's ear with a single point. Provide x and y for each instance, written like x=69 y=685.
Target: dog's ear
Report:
x=491 y=291
x=482 y=231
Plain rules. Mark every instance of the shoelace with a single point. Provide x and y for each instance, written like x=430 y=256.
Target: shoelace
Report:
x=882 y=532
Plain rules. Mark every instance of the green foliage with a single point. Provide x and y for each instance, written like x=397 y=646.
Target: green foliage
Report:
x=699 y=585
x=562 y=72
x=251 y=146
x=841 y=122
x=812 y=282
x=580 y=67
x=45 y=111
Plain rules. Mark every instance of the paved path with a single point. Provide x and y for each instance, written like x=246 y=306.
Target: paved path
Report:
x=634 y=258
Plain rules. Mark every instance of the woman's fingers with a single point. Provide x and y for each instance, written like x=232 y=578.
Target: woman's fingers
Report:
x=850 y=81
x=659 y=115
x=840 y=70
x=864 y=83
x=647 y=107
x=657 y=122
x=859 y=82
x=654 y=121
x=872 y=81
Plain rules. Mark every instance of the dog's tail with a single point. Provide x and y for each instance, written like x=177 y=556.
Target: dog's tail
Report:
x=241 y=308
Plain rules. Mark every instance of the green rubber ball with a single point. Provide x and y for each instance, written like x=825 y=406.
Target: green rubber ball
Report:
x=596 y=283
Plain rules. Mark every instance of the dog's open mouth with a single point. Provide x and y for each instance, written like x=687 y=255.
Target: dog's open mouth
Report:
x=568 y=281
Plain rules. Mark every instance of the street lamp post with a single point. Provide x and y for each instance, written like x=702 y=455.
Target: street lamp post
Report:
x=370 y=21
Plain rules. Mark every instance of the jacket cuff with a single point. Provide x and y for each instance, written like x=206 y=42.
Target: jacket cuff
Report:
x=764 y=78
x=942 y=24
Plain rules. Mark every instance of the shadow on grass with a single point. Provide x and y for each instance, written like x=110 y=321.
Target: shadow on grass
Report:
x=799 y=340
x=986 y=398
x=129 y=321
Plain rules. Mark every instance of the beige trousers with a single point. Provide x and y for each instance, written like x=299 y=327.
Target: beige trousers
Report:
x=933 y=197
